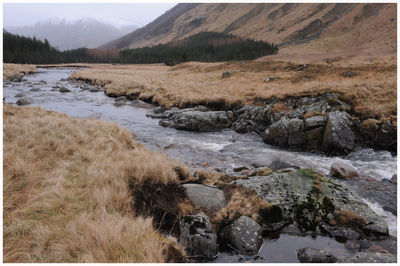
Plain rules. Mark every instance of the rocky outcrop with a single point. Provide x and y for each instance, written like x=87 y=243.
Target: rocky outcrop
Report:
x=311 y=123
x=313 y=200
x=207 y=197
x=198 y=237
x=313 y=255
x=342 y=170
x=198 y=121
x=244 y=235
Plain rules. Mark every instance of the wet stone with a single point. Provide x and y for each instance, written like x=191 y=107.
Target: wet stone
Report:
x=198 y=237
x=203 y=196
x=313 y=255
x=244 y=235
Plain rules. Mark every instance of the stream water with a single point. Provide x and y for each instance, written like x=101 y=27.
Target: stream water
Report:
x=225 y=150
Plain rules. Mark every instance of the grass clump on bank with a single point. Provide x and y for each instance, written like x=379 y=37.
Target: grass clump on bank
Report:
x=10 y=70
x=66 y=191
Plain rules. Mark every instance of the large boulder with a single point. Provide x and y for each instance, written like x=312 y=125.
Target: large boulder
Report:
x=198 y=121
x=277 y=133
x=315 y=121
x=296 y=135
x=244 y=235
x=309 y=199
x=313 y=255
x=338 y=136
x=198 y=237
x=369 y=257
x=203 y=196
x=343 y=170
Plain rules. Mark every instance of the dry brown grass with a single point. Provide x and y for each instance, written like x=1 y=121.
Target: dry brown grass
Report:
x=12 y=69
x=242 y=202
x=350 y=219
x=372 y=93
x=66 y=193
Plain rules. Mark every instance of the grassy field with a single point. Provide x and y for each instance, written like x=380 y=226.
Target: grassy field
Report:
x=66 y=190
x=371 y=93
x=11 y=69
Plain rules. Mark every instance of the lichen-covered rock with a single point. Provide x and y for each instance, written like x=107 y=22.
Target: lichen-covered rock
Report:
x=343 y=170
x=296 y=135
x=198 y=237
x=203 y=196
x=278 y=132
x=309 y=198
x=313 y=255
x=198 y=121
x=244 y=235
x=338 y=136
x=369 y=257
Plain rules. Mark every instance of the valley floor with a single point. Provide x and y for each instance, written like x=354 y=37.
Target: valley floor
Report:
x=370 y=89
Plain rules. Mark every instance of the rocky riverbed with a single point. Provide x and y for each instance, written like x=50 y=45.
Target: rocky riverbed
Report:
x=266 y=151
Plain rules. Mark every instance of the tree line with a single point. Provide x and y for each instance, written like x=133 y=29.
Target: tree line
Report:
x=204 y=46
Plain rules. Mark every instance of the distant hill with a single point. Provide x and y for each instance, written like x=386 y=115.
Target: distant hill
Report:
x=345 y=29
x=66 y=35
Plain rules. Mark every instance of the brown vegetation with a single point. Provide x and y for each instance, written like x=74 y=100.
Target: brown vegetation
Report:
x=372 y=93
x=66 y=191
x=11 y=69
x=350 y=219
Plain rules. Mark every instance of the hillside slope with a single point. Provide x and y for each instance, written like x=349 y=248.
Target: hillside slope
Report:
x=334 y=30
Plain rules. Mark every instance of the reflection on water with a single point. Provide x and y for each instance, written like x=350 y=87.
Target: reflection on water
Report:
x=283 y=248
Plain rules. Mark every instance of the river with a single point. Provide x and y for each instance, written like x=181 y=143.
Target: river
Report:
x=225 y=150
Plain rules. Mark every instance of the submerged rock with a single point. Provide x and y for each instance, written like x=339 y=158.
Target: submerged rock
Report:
x=35 y=89
x=198 y=237
x=24 y=101
x=244 y=235
x=203 y=196
x=64 y=89
x=368 y=257
x=19 y=95
x=313 y=255
x=343 y=170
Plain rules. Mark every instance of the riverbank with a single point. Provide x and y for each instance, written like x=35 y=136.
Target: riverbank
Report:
x=66 y=191
x=17 y=71
x=369 y=89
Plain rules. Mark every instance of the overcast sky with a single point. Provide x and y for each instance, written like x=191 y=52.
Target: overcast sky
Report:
x=119 y=14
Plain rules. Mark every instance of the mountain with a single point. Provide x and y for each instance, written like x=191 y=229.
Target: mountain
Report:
x=67 y=35
x=334 y=30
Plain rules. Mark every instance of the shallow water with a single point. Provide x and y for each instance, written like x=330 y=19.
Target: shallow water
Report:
x=225 y=150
